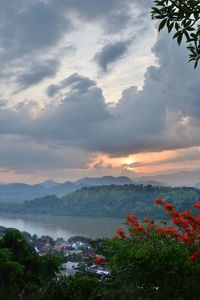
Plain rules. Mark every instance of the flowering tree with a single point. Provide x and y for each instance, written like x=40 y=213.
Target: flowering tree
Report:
x=148 y=261
x=158 y=261
x=185 y=227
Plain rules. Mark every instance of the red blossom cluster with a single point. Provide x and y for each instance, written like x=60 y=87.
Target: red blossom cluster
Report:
x=195 y=256
x=185 y=229
x=99 y=260
x=120 y=234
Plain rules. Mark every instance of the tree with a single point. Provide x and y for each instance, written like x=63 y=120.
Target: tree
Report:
x=23 y=273
x=11 y=275
x=183 y=16
x=155 y=260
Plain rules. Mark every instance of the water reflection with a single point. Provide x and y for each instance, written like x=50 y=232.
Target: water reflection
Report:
x=65 y=227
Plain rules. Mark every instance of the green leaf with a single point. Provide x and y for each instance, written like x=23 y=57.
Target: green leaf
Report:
x=177 y=26
x=192 y=49
x=193 y=35
x=196 y=64
x=162 y=24
x=156 y=10
x=187 y=36
x=185 y=9
x=190 y=29
x=196 y=15
x=179 y=38
x=176 y=34
x=188 y=23
x=170 y=27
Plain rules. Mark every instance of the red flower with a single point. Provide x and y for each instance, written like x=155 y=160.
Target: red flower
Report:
x=174 y=214
x=168 y=206
x=141 y=229
x=196 y=205
x=149 y=221
x=170 y=230
x=159 y=201
x=160 y=230
x=121 y=234
x=195 y=256
x=186 y=229
x=99 y=260
x=186 y=214
x=132 y=219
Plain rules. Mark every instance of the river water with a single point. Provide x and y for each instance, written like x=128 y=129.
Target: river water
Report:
x=64 y=227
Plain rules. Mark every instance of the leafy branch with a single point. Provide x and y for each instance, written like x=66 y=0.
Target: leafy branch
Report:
x=184 y=17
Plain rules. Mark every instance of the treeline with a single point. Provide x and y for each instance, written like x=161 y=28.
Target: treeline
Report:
x=109 y=201
x=23 y=273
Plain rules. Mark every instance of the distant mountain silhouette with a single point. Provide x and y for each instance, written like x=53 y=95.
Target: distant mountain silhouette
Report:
x=105 y=180
x=20 y=191
x=63 y=189
x=181 y=178
x=49 y=184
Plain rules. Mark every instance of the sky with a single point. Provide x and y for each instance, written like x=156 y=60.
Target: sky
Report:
x=90 y=88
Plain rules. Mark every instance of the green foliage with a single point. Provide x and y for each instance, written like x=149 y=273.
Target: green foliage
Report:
x=110 y=201
x=152 y=263
x=183 y=17
x=154 y=270
x=11 y=275
x=22 y=271
x=83 y=287
x=148 y=270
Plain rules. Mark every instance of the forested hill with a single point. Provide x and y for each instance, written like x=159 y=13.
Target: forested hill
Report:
x=109 y=201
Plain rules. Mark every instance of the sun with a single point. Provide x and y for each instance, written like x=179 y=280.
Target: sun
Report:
x=128 y=161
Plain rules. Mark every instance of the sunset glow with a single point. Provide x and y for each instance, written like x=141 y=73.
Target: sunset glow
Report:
x=128 y=161
x=97 y=96
x=151 y=162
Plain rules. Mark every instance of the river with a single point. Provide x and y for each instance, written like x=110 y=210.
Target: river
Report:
x=64 y=227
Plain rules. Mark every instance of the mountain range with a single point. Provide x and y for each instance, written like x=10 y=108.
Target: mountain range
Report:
x=20 y=191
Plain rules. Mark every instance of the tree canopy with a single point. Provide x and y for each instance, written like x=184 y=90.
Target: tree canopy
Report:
x=183 y=16
x=23 y=273
x=149 y=260
x=108 y=201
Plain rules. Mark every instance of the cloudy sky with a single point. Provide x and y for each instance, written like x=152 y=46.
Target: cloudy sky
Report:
x=88 y=88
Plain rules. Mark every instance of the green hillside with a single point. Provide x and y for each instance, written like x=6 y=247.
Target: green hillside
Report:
x=108 y=201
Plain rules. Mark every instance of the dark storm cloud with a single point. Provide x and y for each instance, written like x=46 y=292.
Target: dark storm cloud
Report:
x=37 y=72
x=28 y=26
x=110 y=53
x=79 y=83
x=22 y=154
x=161 y=116
x=78 y=117
x=29 y=30
x=52 y=90
x=164 y=115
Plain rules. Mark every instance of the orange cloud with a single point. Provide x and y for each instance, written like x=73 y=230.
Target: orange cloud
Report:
x=152 y=162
